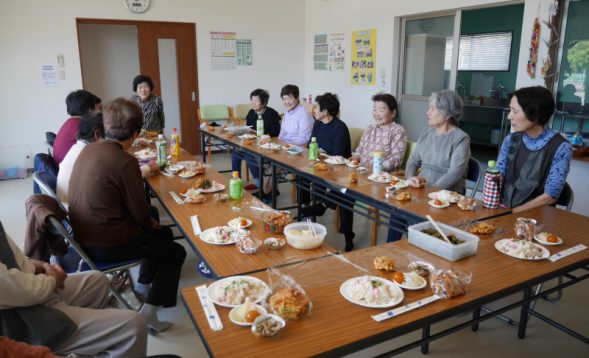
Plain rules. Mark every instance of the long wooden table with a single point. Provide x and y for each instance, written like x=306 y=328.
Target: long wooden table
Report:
x=336 y=326
x=224 y=260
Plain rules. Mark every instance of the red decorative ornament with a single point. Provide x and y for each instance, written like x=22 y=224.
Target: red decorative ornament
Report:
x=535 y=43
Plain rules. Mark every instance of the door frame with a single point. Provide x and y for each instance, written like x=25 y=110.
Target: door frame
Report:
x=148 y=63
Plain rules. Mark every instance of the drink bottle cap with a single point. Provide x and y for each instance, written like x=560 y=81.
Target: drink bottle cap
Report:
x=313 y=139
x=160 y=136
x=491 y=163
x=235 y=174
x=174 y=130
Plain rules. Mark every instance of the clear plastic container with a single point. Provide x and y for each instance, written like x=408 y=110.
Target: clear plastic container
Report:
x=299 y=235
x=440 y=247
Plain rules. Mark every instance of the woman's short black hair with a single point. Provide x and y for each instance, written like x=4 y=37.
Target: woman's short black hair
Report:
x=122 y=118
x=388 y=99
x=290 y=90
x=263 y=95
x=91 y=124
x=142 y=79
x=80 y=101
x=330 y=102
x=537 y=103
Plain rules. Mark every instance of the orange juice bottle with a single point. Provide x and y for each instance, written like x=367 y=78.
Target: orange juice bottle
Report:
x=175 y=142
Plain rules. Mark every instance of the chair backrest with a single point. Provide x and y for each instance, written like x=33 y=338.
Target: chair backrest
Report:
x=567 y=197
x=240 y=111
x=474 y=174
x=355 y=136
x=215 y=112
x=47 y=183
x=411 y=145
x=49 y=140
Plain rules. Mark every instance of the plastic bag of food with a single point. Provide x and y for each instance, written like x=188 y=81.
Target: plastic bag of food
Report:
x=288 y=299
x=450 y=283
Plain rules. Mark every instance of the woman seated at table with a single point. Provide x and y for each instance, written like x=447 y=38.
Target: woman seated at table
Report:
x=151 y=105
x=297 y=123
x=442 y=150
x=333 y=138
x=259 y=100
x=533 y=160
x=385 y=135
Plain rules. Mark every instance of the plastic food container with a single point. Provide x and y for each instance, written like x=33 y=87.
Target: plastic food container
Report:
x=440 y=247
x=298 y=235
x=275 y=222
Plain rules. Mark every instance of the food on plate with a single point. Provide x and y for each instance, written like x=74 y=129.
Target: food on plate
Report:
x=187 y=174
x=247 y=136
x=275 y=221
x=239 y=222
x=436 y=234
x=273 y=243
x=403 y=196
x=248 y=142
x=264 y=139
x=354 y=162
x=251 y=316
x=547 y=237
x=482 y=228
x=412 y=280
x=370 y=291
x=423 y=269
x=398 y=277
x=551 y=238
x=223 y=234
x=336 y=159
x=194 y=197
x=235 y=292
x=286 y=146
x=289 y=303
x=450 y=283
x=246 y=313
x=445 y=195
x=229 y=135
x=383 y=177
x=416 y=182
x=521 y=249
x=268 y=145
x=353 y=177
x=467 y=204
x=525 y=228
x=202 y=183
x=247 y=244
x=267 y=325
x=221 y=197
x=438 y=202
x=321 y=166
x=384 y=263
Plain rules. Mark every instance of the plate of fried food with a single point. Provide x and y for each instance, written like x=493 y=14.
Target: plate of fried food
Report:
x=207 y=186
x=384 y=263
x=482 y=228
x=403 y=196
x=546 y=238
x=321 y=166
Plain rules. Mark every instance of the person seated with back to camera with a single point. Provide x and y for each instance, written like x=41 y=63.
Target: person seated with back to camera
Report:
x=442 y=150
x=333 y=138
x=42 y=305
x=534 y=160
x=111 y=218
x=259 y=99
x=78 y=103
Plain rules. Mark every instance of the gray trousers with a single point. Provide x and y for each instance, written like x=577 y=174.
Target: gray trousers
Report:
x=101 y=332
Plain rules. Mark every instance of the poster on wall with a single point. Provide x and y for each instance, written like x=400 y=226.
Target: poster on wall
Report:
x=223 y=50
x=363 y=69
x=320 y=52
x=336 y=52
x=49 y=74
x=244 y=52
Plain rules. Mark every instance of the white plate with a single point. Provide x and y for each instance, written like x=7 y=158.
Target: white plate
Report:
x=541 y=238
x=214 y=188
x=186 y=163
x=233 y=318
x=421 y=285
x=446 y=204
x=272 y=146
x=294 y=151
x=337 y=160
x=396 y=299
x=224 y=282
x=400 y=184
x=186 y=174
x=247 y=136
x=380 y=178
x=361 y=170
x=445 y=195
x=351 y=165
x=209 y=234
x=506 y=246
x=146 y=154
x=235 y=223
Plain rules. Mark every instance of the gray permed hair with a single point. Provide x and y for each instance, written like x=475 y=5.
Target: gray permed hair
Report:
x=449 y=104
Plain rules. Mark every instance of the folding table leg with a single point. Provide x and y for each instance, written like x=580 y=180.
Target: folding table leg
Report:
x=424 y=335
x=476 y=314
x=523 y=317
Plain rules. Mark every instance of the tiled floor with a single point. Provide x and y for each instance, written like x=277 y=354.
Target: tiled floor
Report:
x=495 y=338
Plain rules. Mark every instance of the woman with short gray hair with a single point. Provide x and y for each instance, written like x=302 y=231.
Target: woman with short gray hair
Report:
x=443 y=150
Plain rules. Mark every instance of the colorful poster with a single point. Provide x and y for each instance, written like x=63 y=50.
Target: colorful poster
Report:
x=244 y=52
x=363 y=57
x=336 y=52
x=223 y=50
x=320 y=53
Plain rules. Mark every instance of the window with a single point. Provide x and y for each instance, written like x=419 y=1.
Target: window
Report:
x=481 y=52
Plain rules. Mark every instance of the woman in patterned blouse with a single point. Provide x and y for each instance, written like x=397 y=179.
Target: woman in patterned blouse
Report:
x=383 y=136
x=151 y=105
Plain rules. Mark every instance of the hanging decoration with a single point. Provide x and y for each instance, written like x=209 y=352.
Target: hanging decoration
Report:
x=534 y=44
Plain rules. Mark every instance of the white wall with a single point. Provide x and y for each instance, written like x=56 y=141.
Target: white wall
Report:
x=34 y=33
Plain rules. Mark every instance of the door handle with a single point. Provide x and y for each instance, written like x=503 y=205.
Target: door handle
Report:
x=193 y=96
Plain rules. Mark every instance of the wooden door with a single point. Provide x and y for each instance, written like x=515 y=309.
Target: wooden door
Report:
x=184 y=34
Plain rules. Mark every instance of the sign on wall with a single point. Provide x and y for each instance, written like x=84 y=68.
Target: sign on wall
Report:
x=244 y=52
x=363 y=69
x=320 y=52
x=336 y=52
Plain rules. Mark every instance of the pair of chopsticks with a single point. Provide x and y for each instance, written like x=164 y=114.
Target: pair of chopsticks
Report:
x=437 y=227
x=311 y=228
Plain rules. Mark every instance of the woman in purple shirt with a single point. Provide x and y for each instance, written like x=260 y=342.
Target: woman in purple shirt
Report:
x=297 y=123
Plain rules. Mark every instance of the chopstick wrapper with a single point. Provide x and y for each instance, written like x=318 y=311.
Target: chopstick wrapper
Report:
x=195 y=225
x=408 y=307
x=209 y=308
x=567 y=252
x=176 y=198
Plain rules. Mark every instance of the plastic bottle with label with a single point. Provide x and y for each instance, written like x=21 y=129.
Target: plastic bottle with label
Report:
x=377 y=158
x=235 y=186
x=313 y=149
x=175 y=143
x=491 y=186
x=162 y=153
x=260 y=126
